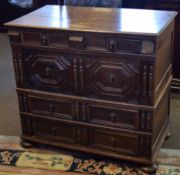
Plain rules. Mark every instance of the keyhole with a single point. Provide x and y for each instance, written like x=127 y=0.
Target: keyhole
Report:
x=111 y=45
x=51 y=108
x=112 y=78
x=48 y=71
x=44 y=40
x=53 y=130
x=113 y=116
x=113 y=141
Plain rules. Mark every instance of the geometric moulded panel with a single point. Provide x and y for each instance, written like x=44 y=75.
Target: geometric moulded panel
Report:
x=110 y=79
x=49 y=71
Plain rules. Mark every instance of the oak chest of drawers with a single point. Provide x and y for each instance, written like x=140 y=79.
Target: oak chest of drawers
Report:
x=95 y=80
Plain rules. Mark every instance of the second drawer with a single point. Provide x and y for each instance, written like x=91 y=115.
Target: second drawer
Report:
x=85 y=110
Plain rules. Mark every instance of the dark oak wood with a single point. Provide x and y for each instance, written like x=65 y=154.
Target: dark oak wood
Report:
x=100 y=88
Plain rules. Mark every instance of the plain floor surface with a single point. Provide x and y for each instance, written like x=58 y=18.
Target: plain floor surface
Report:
x=9 y=117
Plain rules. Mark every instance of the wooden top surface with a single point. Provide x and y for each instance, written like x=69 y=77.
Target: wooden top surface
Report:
x=91 y=19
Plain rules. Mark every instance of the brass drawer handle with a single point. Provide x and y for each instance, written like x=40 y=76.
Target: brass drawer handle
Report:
x=113 y=116
x=112 y=78
x=45 y=41
x=48 y=71
x=53 y=130
x=113 y=141
x=51 y=108
x=81 y=73
x=111 y=45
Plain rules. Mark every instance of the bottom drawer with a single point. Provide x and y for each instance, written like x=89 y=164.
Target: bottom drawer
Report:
x=49 y=129
x=81 y=136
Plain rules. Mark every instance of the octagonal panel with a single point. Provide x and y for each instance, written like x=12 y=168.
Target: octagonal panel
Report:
x=50 y=71
x=112 y=79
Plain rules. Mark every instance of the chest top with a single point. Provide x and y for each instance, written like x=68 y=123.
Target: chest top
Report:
x=104 y=20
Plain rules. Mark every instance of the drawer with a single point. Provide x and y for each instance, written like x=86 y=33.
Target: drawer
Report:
x=60 y=108
x=114 y=141
x=113 y=116
x=28 y=37
x=54 y=130
x=83 y=41
x=112 y=44
x=53 y=39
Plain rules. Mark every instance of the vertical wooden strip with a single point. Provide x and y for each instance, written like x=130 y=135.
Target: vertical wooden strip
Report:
x=77 y=110
x=16 y=69
x=23 y=123
x=141 y=148
x=150 y=80
x=84 y=111
x=21 y=69
x=25 y=102
x=29 y=126
x=75 y=75
x=148 y=121
x=74 y=110
x=78 y=135
x=81 y=74
x=144 y=80
x=143 y=120
x=20 y=101
x=148 y=146
x=85 y=136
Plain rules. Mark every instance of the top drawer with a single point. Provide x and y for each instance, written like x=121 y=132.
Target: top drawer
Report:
x=84 y=41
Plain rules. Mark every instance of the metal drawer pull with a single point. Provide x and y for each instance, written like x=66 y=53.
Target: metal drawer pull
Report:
x=113 y=116
x=53 y=130
x=51 y=108
x=45 y=41
x=112 y=78
x=113 y=141
x=111 y=45
x=48 y=71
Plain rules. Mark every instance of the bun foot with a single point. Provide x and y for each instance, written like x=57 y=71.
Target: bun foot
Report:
x=26 y=144
x=149 y=169
x=168 y=135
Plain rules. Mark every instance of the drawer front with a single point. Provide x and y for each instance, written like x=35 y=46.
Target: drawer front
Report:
x=88 y=137
x=83 y=41
x=53 y=39
x=112 y=44
x=30 y=37
x=60 y=108
x=114 y=141
x=49 y=71
x=114 y=78
x=113 y=116
x=54 y=130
